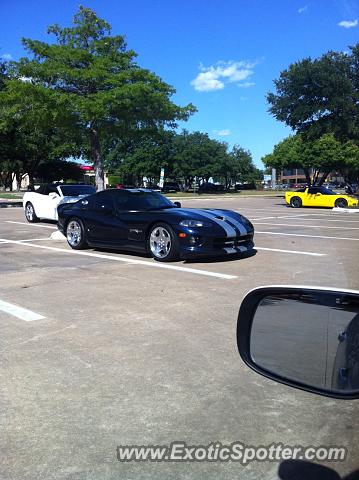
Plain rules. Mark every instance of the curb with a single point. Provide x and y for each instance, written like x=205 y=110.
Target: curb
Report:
x=345 y=210
x=57 y=235
x=10 y=204
x=221 y=197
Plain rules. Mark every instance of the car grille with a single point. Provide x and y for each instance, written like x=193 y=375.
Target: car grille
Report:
x=222 y=242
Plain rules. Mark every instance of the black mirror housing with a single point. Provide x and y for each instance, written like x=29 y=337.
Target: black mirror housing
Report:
x=303 y=337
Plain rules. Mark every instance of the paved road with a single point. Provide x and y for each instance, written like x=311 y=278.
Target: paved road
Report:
x=129 y=352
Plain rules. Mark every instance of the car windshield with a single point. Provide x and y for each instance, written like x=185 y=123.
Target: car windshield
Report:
x=141 y=200
x=76 y=190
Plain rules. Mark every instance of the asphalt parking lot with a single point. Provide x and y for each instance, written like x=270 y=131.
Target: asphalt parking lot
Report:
x=124 y=350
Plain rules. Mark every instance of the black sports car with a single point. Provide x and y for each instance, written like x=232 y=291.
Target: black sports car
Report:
x=141 y=220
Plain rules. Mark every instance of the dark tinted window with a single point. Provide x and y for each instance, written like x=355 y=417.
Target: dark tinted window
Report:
x=102 y=201
x=313 y=190
x=76 y=190
x=322 y=190
x=139 y=200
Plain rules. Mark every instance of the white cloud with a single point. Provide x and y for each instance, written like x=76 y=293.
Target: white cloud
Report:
x=222 y=133
x=6 y=56
x=348 y=23
x=246 y=84
x=216 y=76
x=303 y=9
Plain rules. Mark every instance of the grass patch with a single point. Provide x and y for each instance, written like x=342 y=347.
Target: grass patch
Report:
x=11 y=196
x=243 y=193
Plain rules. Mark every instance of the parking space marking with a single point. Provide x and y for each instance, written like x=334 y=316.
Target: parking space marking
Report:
x=19 y=312
x=305 y=226
x=317 y=219
x=32 y=224
x=297 y=252
x=126 y=260
x=304 y=235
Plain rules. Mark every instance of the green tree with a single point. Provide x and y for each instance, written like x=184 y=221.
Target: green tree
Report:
x=143 y=157
x=57 y=170
x=95 y=77
x=317 y=158
x=321 y=96
x=195 y=155
x=30 y=133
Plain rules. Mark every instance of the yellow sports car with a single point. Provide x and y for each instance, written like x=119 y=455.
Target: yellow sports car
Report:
x=319 y=197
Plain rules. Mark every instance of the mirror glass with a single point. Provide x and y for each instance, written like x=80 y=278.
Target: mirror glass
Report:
x=310 y=338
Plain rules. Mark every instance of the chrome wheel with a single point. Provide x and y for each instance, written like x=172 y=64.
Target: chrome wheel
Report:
x=160 y=242
x=74 y=233
x=30 y=212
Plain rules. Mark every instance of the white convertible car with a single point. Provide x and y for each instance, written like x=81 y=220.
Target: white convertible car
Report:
x=43 y=202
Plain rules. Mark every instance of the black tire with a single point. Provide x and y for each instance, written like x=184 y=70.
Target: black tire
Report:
x=295 y=202
x=166 y=249
x=75 y=234
x=30 y=214
x=341 y=203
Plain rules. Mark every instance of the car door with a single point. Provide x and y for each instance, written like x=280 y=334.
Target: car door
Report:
x=312 y=197
x=102 y=222
x=46 y=203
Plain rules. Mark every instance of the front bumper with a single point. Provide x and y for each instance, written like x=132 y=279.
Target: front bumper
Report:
x=216 y=246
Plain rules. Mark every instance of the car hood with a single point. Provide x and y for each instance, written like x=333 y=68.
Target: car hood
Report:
x=220 y=217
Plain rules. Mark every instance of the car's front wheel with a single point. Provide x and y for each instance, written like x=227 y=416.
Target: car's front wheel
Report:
x=295 y=202
x=341 y=203
x=30 y=213
x=163 y=243
x=75 y=234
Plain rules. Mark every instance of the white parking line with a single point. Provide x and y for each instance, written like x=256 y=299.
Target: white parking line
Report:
x=32 y=224
x=19 y=312
x=315 y=219
x=126 y=260
x=291 y=251
x=305 y=226
x=304 y=235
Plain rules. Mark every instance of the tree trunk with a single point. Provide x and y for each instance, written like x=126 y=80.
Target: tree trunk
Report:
x=307 y=176
x=324 y=177
x=97 y=160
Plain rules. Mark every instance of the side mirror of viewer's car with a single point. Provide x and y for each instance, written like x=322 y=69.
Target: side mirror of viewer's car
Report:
x=304 y=337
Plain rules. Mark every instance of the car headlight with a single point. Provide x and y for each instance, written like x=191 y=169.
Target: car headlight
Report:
x=194 y=223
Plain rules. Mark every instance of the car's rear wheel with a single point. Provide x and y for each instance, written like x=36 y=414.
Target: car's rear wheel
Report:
x=341 y=203
x=30 y=213
x=75 y=234
x=295 y=202
x=163 y=243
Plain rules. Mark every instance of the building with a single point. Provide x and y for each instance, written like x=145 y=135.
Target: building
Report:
x=296 y=176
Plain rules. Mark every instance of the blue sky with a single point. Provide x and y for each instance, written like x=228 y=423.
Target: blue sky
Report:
x=220 y=55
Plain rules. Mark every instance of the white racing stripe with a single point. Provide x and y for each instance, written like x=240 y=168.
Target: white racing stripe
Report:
x=230 y=231
x=125 y=260
x=19 y=312
x=242 y=229
x=32 y=224
x=297 y=252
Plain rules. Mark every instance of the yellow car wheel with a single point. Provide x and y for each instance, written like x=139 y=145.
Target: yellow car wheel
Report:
x=295 y=202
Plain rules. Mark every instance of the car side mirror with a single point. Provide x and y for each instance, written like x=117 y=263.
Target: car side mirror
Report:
x=178 y=204
x=304 y=337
